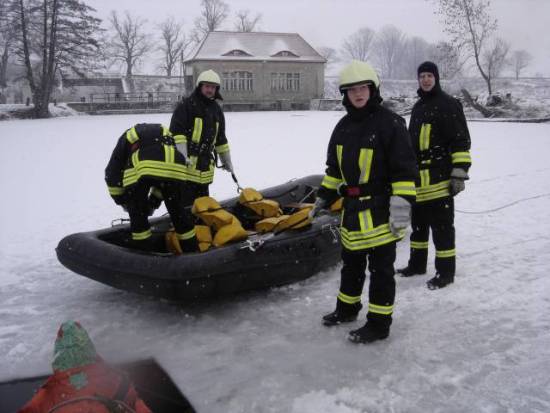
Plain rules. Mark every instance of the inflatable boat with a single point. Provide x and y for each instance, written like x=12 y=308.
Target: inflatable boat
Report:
x=153 y=384
x=262 y=260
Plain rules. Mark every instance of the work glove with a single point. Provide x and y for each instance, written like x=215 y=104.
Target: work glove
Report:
x=182 y=148
x=458 y=176
x=400 y=214
x=318 y=206
x=226 y=161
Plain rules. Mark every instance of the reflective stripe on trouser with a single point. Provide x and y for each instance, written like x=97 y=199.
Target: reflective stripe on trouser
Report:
x=174 y=196
x=382 y=281
x=438 y=216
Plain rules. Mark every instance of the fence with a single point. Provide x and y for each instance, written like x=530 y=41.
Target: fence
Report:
x=154 y=98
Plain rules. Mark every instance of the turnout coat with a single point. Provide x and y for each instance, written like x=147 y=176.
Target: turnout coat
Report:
x=441 y=141
x=369 y=159
x=200 y=123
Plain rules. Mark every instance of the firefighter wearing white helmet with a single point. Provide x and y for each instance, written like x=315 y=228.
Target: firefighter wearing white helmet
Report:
x=209 y=76
x=371 y=164
x=198 y=123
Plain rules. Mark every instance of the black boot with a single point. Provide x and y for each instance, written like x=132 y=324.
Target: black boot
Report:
x=343 y=314
x=408 y=271
x=440 y=281
x=368 y=333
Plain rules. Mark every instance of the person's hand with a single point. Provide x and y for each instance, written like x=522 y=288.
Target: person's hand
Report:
x=226 y=162
x=400 y=214
x=182 y=148
x=319 y=205
x=458 y=176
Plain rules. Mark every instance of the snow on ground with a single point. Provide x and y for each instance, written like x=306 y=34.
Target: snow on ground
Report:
x=481 y=345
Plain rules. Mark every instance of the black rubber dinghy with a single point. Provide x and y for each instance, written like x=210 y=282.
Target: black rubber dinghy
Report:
x=152 y=383
x=261 y=261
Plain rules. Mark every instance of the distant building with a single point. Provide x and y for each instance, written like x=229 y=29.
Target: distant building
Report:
x=269 y=71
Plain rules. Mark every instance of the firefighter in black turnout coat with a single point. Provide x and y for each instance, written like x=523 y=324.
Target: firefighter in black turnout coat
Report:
x=146 y=168
x=370 y=162
x=441 y=141
x=199 y=123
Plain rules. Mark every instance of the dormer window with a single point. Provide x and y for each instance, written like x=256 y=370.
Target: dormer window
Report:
x=237 y=52
x=285 y=53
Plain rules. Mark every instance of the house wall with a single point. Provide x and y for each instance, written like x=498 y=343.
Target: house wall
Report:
x=261 y=96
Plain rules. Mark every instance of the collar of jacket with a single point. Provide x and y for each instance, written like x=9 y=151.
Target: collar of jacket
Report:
x=436 y=90
x=373 y=104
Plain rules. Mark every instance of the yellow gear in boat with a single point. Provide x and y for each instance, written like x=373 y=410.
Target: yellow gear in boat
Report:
x=172 y=242
x=297 y=220
x=337 y=205
x=268 y=224
x=265 y=208
x=204 y=237
x=203 y=234
x=230 y=232
x=211 y=212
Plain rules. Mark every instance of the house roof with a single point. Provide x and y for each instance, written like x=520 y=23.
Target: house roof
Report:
x=252 y=46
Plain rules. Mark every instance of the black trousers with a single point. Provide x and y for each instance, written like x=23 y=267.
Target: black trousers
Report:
x=381 y=286
x=194 y=190
x=438 y=216
x=178 y=201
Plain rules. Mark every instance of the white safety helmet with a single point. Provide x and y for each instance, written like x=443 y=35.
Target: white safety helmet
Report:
x=209 y=76
x=358 y=72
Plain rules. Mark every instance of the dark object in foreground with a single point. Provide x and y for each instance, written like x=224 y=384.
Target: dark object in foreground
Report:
x=261 y=261
x=154 y=385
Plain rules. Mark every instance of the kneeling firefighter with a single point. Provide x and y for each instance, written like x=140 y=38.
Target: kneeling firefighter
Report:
x=145 y=168
x=371 y=164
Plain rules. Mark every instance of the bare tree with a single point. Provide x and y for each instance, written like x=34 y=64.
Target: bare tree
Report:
x=495 y=58
x=7 y=37
x=469 y=24
x=130 y=43
x=520 y=60
x=359 y=44
x=246 y=23
x=213 y=14
x=416 y=51
x=54 y=35
x=175 y=44
x=389 y=47
x=448 y=58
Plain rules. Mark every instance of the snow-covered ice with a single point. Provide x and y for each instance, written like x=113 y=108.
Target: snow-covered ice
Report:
x=481 y=345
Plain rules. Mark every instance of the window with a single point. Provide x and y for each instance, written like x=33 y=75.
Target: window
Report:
x=238 y=81
x=285 y=82
x=237 y=52
x=285 y=53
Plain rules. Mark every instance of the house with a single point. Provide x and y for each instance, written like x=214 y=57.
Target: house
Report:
x=260 y=71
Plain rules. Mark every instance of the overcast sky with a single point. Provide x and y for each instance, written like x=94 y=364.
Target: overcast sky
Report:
x=524 y=23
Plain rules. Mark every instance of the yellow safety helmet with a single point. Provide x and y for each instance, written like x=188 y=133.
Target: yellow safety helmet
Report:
x=209 y=76
x=358 y=72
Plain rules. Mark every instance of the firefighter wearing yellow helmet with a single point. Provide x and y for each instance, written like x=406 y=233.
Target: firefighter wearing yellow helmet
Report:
x=199 y=123
x=371 y=164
